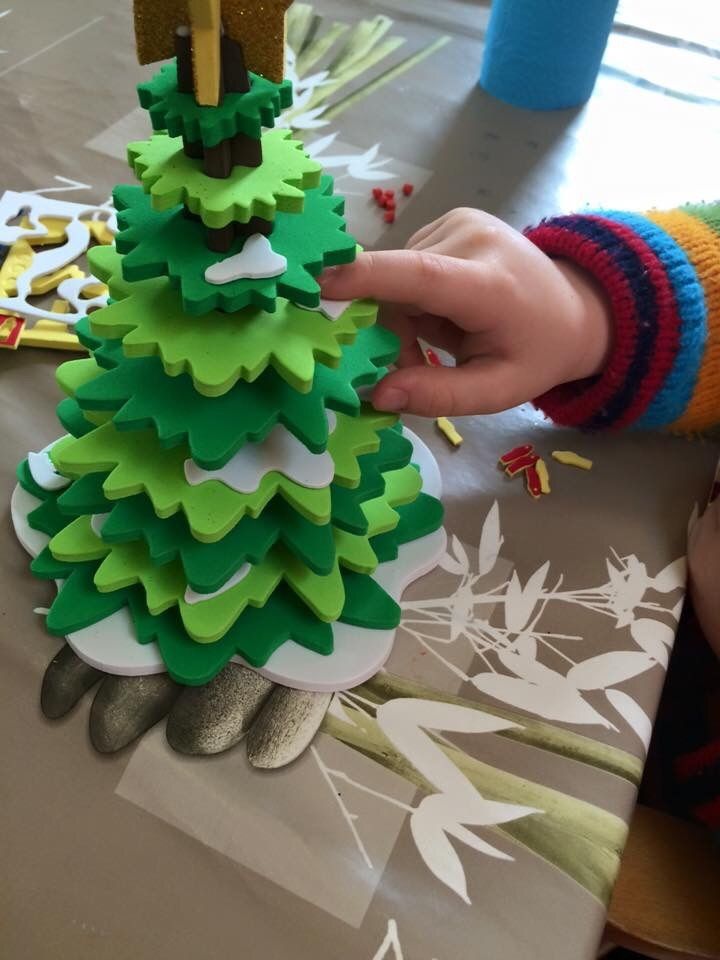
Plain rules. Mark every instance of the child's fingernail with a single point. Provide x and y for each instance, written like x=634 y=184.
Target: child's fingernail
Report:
x=392 y=399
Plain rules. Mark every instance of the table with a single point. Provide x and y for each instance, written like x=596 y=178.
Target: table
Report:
x=539 y=656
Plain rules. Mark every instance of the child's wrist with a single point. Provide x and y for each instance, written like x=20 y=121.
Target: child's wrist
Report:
x=590 y=322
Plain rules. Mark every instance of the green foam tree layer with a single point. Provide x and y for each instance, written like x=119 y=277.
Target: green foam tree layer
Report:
x=186 y=372
x=221 y=348
x=172 y=244
x=180 y=114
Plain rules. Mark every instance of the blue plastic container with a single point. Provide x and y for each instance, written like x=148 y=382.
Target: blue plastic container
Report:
x=545 y=54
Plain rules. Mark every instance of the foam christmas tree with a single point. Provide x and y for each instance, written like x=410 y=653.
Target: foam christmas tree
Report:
x=224 y=490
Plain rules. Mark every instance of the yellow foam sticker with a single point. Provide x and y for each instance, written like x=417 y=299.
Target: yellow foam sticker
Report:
x=572 y=459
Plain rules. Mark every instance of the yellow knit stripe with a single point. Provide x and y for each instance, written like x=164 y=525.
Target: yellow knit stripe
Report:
x=702 y=246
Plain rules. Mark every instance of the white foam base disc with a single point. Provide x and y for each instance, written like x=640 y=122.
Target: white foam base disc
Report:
x=358 y=652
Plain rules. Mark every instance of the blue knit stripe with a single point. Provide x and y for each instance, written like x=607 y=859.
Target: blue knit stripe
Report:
x=672 y=399
x=627 y=262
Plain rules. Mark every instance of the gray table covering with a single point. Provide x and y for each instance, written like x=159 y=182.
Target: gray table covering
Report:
x=432 y=826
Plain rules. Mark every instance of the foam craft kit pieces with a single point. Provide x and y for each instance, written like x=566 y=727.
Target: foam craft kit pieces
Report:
x=181 y=116
x=144 y=397
x=67 y=229
x=223 y=490
x=224 y=347
x=170 y=244
x=172 y=178
x=128 y=641
x=545 y=56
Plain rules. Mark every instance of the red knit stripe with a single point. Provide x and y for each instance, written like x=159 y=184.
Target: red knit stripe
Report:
x=690 y=764
x=668 y=321
x=571 y=404
x=709 y=813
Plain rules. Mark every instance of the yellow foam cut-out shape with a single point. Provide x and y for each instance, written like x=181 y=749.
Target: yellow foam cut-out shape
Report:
x=53 y=336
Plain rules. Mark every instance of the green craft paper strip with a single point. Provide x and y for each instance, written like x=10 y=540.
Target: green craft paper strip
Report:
x=181 y=115
x=208 y=566
x=417 y=519
x=216 y=428
x=137 y=464
x=172 y=244
x=368 y=605
x=222 y=348
x=77 y=542
x=172 y=178
x=354 y=436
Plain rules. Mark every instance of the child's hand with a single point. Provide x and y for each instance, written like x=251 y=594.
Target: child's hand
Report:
x=704 y=569
x=517 y=322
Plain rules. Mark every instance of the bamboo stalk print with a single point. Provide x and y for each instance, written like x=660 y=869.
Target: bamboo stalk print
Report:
x=361 y=46
x=532 y=732
x=373 y=85
x=577 y=837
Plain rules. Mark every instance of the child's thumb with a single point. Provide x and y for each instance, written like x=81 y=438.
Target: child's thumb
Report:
x=434 y=391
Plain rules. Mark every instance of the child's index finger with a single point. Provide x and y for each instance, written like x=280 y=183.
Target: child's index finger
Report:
x=433 y=283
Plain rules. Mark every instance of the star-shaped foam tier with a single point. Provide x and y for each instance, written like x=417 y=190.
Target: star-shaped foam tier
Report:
x=255 y=635
x=172 y=244
x=137 y=464
x=221 y=348
x=208 y=617
x=208 y=566
x=216 y=428
x=173 y=178
x=181 y=115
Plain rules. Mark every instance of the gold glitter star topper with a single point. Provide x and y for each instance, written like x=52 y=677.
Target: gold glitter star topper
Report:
x=257 y=25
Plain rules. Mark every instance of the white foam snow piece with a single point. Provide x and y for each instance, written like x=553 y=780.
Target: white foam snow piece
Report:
x=256 y=261
x=279 y=452
x=332 y=309
x=358 y=652
x=43 y=470
x=192 y=596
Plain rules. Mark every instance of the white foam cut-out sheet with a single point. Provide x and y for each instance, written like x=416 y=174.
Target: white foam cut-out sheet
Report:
x=358 y=653
x=76 y=242
x=192 y=596
x=256 y=261
x=280 y=452
x=332 y=309
x=43 y=470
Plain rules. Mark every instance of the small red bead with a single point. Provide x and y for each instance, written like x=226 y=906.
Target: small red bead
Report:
x=389 y=216
x=407 y=189
x=389 y=194
x=377 y=193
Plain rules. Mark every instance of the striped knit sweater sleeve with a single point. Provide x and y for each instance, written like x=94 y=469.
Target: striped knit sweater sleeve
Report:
x=661 y=273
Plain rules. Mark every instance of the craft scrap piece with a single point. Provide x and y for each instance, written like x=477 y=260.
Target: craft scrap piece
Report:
x=444 y=425
x=572 y=459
